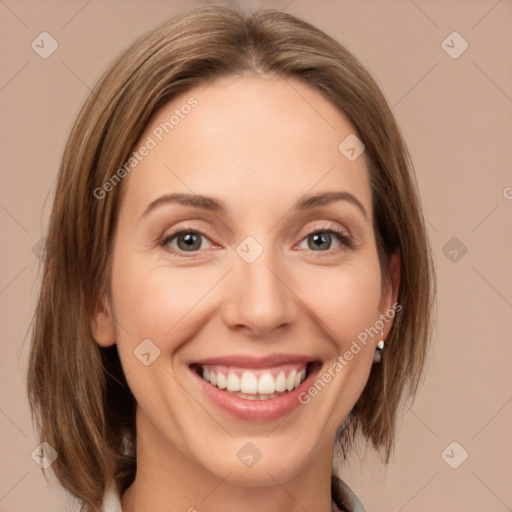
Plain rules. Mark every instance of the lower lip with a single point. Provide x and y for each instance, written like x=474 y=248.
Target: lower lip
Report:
x=256 y=410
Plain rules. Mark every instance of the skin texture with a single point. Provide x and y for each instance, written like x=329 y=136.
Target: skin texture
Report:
x=257 y=144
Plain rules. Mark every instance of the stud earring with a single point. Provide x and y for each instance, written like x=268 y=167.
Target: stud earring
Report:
x=377 y=356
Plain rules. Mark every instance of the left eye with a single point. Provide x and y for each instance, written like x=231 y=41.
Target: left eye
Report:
x=320 y=239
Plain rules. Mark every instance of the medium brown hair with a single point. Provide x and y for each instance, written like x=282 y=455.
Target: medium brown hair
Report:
x=78 y=394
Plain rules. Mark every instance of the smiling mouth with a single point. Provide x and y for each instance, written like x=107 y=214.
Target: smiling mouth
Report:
x=256 y=384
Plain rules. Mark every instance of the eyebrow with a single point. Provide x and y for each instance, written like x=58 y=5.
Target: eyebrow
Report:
x=214 y=205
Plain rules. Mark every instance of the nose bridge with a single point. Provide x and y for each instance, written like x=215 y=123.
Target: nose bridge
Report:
x=260 y=299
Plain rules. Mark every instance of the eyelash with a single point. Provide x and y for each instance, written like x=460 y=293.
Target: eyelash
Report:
x=345 y=239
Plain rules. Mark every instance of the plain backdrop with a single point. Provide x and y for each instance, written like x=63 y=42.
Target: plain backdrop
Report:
x=455 y=111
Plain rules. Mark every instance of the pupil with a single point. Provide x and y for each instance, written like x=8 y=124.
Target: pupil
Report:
x=323 y=239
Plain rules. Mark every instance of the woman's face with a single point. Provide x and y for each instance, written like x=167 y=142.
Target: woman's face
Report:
x=255 y=291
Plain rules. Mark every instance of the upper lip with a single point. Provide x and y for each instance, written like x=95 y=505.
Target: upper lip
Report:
x=248 y=361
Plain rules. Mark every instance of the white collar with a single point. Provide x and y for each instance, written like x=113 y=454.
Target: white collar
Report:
x=111 y=499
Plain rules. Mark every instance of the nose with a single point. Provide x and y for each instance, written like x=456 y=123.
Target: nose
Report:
x=259 y=298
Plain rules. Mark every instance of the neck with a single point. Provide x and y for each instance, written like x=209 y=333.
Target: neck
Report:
x=168 y=480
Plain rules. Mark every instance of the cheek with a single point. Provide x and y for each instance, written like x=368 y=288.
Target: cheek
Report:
x=156 y=301
x=345 y=300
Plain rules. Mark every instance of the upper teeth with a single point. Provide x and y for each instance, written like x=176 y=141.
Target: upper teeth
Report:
x=249 y=382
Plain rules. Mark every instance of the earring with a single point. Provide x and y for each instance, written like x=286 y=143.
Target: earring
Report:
x=377 y=356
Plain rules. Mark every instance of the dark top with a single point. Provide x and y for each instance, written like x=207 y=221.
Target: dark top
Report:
x=343 y=496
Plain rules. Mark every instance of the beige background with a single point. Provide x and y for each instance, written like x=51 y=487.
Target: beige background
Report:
x=456 y=115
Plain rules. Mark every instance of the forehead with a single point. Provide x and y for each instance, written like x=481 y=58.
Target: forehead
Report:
x=250 y=140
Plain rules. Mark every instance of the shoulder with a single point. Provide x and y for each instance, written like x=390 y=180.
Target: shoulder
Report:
x=343 y=496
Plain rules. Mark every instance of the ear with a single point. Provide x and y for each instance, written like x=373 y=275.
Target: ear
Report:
x=102 y=324
x=389 y=294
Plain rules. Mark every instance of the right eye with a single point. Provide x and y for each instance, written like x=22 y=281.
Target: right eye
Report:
x=186 y=240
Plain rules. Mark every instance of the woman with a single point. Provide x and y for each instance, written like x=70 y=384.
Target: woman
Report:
x=237 y=273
